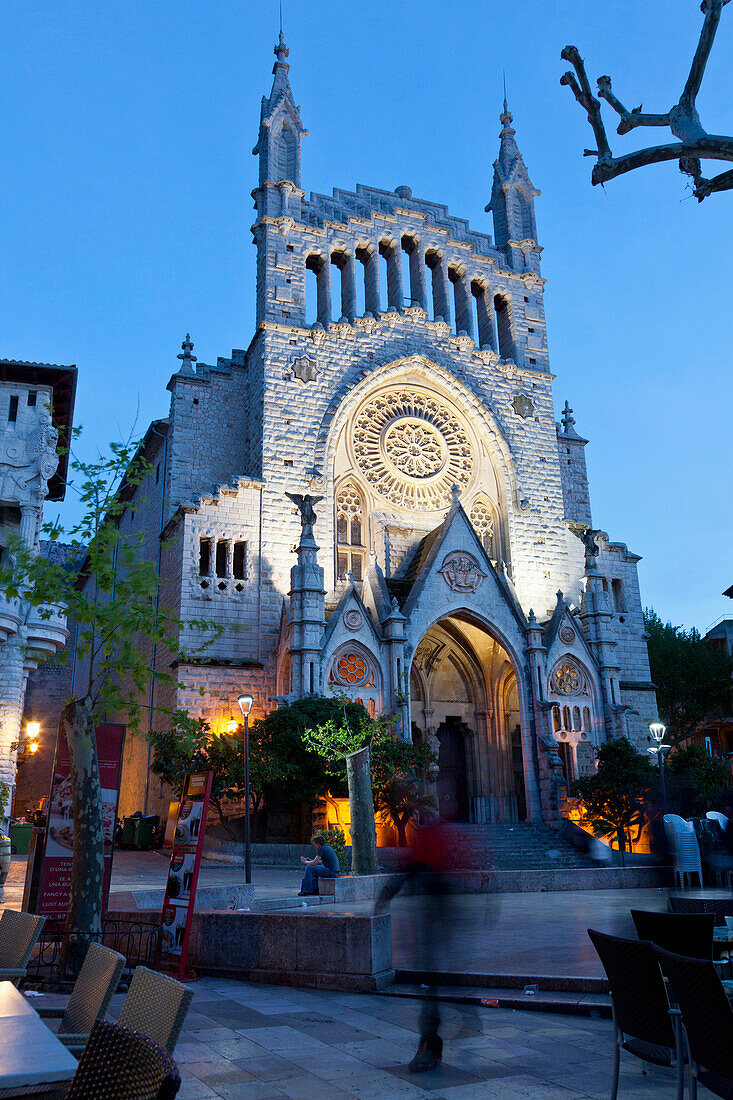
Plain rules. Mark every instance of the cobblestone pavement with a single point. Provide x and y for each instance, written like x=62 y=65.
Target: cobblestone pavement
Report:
x=257 y=1042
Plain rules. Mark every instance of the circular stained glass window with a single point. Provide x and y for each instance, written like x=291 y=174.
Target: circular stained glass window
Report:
x=352 y=668
x=567 y=679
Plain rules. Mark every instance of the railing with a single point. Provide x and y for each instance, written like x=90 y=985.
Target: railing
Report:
x=137 y=941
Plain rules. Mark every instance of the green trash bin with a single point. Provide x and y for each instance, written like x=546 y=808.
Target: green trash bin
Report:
x=128 y=831
x=20 y=838
x=145 y=829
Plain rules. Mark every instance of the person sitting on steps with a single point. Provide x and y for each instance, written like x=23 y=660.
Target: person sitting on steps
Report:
x=325 y=864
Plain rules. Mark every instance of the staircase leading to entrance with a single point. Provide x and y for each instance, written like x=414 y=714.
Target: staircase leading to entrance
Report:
x=520 y=847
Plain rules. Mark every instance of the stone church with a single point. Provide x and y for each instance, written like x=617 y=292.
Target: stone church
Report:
x=375 y=497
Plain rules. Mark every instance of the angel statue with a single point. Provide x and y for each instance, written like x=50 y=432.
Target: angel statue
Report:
x=308 y=517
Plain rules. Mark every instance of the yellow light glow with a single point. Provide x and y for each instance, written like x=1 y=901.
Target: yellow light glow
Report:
x=33 y=747
x=231 y=726
x=33 y=729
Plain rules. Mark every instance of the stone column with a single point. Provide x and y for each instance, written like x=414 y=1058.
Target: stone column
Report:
x=308 y=616
x=394 y=633
x=598 y=620
x=371 y=283
x=542 y=803
x=29 y=517
x=418 y=289
x=13 y=677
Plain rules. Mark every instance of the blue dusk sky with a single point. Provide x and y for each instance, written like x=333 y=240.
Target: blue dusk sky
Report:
x=125 y=212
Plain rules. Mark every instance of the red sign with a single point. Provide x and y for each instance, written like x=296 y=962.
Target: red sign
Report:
x=183 y=874
x=53 y=896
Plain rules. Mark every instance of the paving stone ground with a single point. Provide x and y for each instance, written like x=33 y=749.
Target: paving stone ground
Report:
x=257 y=1042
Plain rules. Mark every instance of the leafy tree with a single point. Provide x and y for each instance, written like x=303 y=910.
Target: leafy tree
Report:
x=341 y=738
x=615 y=799
x=113 y=599
x=693 y=678
x=696 y=781
x=398 y=773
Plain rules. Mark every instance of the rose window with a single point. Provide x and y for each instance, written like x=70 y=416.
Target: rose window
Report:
x=351 y=668
x=567 y=679
x=412 y=448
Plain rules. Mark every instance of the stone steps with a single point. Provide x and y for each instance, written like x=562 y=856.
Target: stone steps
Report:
x=519 y=847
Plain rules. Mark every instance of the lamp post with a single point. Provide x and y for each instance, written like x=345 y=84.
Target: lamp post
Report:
x=658 y=730
x=245 y=705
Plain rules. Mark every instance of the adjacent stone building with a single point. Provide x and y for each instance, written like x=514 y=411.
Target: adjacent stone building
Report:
x=375 y=497
x=36 y=406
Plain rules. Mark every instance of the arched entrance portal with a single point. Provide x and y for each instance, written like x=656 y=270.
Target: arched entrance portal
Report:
x=465 y=704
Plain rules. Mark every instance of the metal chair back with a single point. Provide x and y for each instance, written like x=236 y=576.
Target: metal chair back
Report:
x=156 y=1005
x=18 y=935
x=719 y=907
x=93 y=990
x=120 y=1064
x=637 y=988
x=688 y=934
x=707 y=1017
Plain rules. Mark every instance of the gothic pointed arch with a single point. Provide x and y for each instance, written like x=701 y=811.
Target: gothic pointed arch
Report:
x=485 y=522
x=351 y=527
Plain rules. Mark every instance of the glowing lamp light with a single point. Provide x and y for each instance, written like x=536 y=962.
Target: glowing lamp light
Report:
x=657 y=730
x=231 y=726
x=33 y=729
x=245 y=704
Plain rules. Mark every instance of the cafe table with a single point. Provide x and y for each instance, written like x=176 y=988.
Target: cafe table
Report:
x=33 y=1062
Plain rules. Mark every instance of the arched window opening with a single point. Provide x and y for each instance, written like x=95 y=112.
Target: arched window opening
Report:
x=390 y=273
x=318 y=266
x=504 y=327
x=461 y=308
x=483 y=319
x=407 y=288
x=340 y=289
x=482 y=519
x=500 y=221
x=524 y=211
x=350 y=542
x=285 y=155
x=586 y=719
x=311 y=295
x=438 y=289
x=576 y=719
x=556 y=720
x=566 y=720
x=367 y=286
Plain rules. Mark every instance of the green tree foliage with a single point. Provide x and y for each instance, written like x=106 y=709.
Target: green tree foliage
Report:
x=399 y=772
x=696 y=781
x=112 y=598
x=692 y=677
x=616 y=798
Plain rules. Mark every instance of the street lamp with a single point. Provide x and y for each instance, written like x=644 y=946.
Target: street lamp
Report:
x=32 y=730
x=245 y=705
x=658 y=730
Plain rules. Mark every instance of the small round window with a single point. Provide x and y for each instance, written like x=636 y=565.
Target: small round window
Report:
x=352 y=668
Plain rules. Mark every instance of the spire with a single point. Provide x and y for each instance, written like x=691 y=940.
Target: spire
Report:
x=278 y=143
x=187 y=360
x=512 y=191
x=568 y=421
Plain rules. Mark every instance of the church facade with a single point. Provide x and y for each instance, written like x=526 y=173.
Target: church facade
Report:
x=375 y=497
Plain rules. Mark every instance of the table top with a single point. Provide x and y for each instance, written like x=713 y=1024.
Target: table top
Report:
x=30 y=1054
x=723 y=934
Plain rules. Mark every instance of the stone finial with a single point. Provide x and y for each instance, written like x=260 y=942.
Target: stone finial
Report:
x=455 y=493
x=568 y=420
x=281 y=51
x=531 y=618
x=395 y=605
x=560 y=595
x=187 y=359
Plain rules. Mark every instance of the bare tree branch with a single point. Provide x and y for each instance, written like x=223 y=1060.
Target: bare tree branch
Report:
x=695 y=143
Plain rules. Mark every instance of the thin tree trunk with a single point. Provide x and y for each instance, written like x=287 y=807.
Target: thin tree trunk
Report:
x=363 y=830
x=84 y=915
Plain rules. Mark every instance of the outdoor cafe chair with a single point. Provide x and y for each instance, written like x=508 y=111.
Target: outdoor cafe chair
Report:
x=708 y=1022
x=93 y=990
x=156 y=1005
x=120 y=1064
x=18 y=935
x=683 y=848
x=642 y=1021
x=719 y=907
x=688 y=934
x=715 y=815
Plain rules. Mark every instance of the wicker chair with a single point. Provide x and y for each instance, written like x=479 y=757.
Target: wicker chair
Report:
x=719 y=907
x=156 y=1005
x=90 y=997
x=18 y=935
x=642 y=1022
x=688 y=934
x=708 y=1020
x=120 y=1064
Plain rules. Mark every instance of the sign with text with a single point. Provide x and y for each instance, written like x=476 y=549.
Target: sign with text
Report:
x=183 y=873
x=53 y=896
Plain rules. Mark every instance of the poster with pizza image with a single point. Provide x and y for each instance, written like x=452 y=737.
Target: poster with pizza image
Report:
x=183 y=872
x=53 y=897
